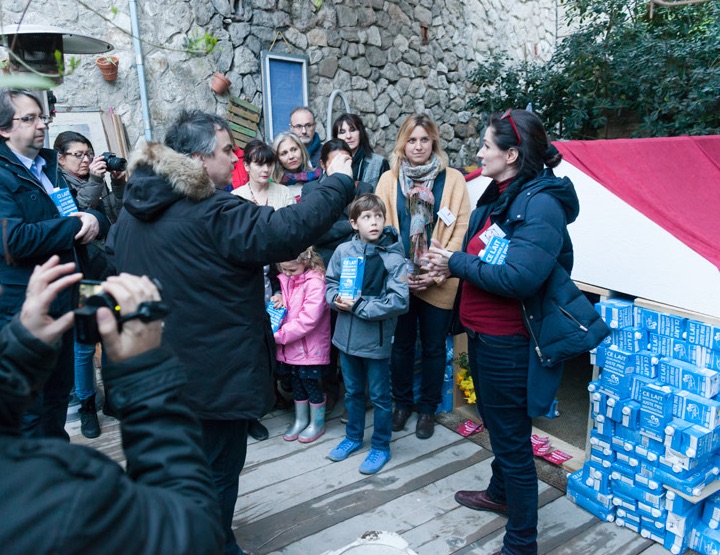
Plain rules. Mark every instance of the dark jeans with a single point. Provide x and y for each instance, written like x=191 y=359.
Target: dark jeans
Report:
x=225 y=445
x=434 y=324
x=499 y=368
x=47 y=414
x=357 y=372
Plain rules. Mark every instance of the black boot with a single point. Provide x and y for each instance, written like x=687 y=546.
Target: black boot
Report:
x=89 y=425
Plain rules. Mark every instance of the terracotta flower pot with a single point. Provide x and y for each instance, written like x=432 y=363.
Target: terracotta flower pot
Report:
x=108 y=66
x=220 y=84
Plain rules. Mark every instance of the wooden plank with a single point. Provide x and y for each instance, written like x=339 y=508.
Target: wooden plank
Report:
x=241 y=122
x=594 y=289
x=242 y=130
x=604 y=537
x=708 y=490
x=677 y=311
x=244 y=104
x=297 y=493
x=657 y=549
x=237 y=111
x=418 y=509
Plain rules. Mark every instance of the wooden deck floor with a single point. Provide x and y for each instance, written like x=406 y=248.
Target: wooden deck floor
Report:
x=294 y=501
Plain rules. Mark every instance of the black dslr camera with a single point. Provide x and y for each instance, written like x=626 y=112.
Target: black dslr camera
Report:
x=92 y=296
x=114 y=163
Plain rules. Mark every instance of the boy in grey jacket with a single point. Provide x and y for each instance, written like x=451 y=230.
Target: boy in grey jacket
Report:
x=365 y=327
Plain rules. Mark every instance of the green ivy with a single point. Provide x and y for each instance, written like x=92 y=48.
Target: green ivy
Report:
x=620 y=73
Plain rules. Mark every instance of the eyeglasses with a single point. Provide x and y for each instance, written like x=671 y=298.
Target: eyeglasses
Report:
x=307 y=126
x=32 y=120
x=80 y=155
x=508 y=116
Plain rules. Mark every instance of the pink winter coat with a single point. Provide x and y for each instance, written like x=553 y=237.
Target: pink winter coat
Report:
x=304 y=337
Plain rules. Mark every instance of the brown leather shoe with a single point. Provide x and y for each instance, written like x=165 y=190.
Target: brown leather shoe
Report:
x=480 y=501
x=425 y=426
x=399 y=419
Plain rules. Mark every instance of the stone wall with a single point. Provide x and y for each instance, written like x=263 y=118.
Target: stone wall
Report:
x=374 y=50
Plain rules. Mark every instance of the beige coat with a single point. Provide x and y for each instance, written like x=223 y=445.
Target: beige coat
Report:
x=456 y=198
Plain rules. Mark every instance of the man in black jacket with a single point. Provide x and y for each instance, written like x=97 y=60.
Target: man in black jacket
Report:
x=33 y=228
x=208 y=248
x=61 y=498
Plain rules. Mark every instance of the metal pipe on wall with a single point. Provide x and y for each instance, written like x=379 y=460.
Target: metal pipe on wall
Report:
x=139 y=62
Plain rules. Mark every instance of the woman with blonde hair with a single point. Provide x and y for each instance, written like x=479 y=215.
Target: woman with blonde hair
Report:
x=293 y=167
x=425 y=200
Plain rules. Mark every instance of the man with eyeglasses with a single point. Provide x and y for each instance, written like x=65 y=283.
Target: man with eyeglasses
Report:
x=302 y=124
x=33 y=229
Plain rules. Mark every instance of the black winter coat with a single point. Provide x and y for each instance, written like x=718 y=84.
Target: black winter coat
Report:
x=62 y=498
x=208 y=248
x=33 y=230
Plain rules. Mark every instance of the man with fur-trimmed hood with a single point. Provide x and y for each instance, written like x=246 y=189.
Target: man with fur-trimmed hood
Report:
x=208 y=247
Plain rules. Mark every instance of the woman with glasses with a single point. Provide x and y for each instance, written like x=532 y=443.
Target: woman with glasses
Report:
x=367 y=166
x=425 y=199
x=85 y=175
x=501 y=307
x=293 y=167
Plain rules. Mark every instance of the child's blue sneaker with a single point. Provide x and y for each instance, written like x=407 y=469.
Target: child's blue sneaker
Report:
x=374 y=462
x=342 y=451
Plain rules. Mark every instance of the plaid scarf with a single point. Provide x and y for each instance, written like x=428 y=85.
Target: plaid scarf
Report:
x=289 y=178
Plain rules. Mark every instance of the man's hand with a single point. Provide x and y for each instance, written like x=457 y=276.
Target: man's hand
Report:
x=90 y=227
x=46 y=281
x=136 y=337
x=342 y=163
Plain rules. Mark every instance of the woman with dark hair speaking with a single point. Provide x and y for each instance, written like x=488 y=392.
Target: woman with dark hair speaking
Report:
x=367 y=166
x=517 y=334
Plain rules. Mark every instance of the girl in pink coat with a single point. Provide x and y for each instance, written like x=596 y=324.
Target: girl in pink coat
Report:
x=303 y=340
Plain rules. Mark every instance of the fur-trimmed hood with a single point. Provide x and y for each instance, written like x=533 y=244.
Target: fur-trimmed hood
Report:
x=161 y=177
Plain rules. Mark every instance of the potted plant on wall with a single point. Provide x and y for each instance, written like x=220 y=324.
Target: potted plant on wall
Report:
x=108 y=67
x=220 y=84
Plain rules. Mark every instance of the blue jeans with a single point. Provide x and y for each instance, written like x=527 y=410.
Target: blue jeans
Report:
x=225 y=446
x=356 y=372
x=434 y=324
x=499 y=368
x=84 y=370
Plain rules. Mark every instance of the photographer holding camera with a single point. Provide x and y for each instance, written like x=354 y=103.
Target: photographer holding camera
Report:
x=61 y=498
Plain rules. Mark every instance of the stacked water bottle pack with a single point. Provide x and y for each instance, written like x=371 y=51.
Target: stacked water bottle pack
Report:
x=656 y=428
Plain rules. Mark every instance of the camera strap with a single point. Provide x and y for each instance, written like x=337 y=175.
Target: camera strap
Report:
x=148 y=311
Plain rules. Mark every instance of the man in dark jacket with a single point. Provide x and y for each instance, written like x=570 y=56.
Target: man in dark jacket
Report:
x=32 y=230
x=208 y=248
x=61 y=498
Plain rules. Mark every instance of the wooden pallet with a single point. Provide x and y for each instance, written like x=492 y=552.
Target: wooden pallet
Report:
x=243 y=118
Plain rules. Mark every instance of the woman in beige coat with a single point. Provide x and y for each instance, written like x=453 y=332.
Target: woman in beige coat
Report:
x=425 y=200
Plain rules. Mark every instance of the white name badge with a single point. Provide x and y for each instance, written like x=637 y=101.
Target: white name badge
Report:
x=446 y=216
x=493 y=231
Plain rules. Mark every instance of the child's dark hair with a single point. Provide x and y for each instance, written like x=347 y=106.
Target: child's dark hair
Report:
x=368 y=201
x=258 y=152
x=333 y=145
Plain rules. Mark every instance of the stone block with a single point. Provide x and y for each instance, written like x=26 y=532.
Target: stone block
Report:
x=294 y=37
x=346 y=16
x=245 y=61
x=394 y=55
x=383 y=120
x=431 y=98
x=382 y=101
x=366 y=16
x=446 y=131
x=404 y=69
x=358 y=83
x=423 y=15
x=375 y=56
x=222 y=7
x=394 y=94
x=362 y=101
x=373 y=37
x=397 y=15
x=401 y=43
x=393 y=112
x=417 y=88
x=442 y=68
x=411 y=57
x=362 y=67
x=418 y=106
x=328 y=67
x=348 y=64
